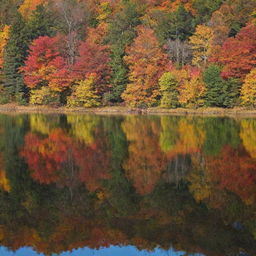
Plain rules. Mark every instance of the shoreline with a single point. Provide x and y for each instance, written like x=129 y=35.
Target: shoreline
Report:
x=118 y=110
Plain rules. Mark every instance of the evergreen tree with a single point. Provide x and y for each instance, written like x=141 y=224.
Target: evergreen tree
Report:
x=205 y=8
x=22 y=33
x=121 y=33
x=8 y=9
x=220 y=92
x=15 y=53
x=41 y=23
x=175 y=25
x=232 y=88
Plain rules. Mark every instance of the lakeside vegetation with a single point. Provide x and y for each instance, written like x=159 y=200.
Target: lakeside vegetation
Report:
x=133 y=53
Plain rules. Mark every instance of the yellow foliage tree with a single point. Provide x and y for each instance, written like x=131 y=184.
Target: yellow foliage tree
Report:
x=248 y=91
x=104 y=11
x=4 y=35
x=43 y=96
x=192 y=91
x=84 y=95
x=201 y=43
x=29 y=6
x=190 y=86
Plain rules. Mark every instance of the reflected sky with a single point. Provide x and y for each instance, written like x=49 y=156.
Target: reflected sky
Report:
x=110 y=251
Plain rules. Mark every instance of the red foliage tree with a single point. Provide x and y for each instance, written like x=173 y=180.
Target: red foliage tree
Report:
x=45 y=65
x=238 y=54
x=92 y=59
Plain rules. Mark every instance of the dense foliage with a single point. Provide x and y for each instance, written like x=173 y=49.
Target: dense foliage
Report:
x=208 y=47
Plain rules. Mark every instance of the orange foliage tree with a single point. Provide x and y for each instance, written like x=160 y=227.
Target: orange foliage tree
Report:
x=147 y=63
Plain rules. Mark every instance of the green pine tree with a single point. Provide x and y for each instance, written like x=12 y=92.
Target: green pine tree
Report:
x=121 y=34
x=175 y=25
x=220 y=92
x=15 y=53
x=21 y=35
x=41 y=23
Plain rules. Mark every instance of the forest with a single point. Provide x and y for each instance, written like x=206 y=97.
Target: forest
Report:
x=136 y=53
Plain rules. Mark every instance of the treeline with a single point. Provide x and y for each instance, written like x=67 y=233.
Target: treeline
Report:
x=142 y=53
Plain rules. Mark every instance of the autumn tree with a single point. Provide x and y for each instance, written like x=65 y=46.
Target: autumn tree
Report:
x=191 y=87
x=93 y=59
x=28 y=6
x=201 y=42
x=83 y=94
x=168 y=90
x=45 y=66
x=147 y=62
x=4 y=35
x=248 y=90
x=44 y=96
x=238 y=54
x=229 y=19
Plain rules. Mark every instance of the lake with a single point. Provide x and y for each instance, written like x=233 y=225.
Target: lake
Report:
x=127 y=185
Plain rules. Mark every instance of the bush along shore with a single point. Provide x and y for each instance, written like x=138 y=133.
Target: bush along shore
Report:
x=143 y=54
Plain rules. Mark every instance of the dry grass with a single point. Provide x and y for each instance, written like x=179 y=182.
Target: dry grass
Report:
x=16 y=109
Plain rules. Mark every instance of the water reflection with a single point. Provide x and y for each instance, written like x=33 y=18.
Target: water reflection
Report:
x=76 y=181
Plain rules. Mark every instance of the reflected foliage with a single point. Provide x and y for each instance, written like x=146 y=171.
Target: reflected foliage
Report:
x=70 y=181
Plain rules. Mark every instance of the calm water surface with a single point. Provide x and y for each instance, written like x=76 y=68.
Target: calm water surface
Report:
x=133 y=185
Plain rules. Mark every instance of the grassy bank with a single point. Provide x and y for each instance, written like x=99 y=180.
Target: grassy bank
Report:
x=16 y=109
